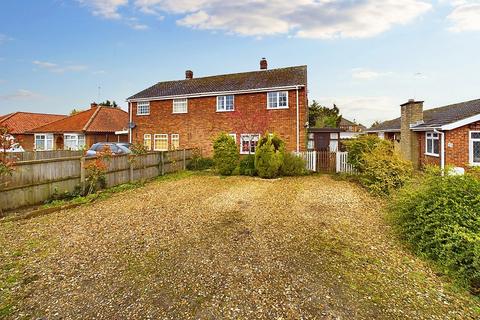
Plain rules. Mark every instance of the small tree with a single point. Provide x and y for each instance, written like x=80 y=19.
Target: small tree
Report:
x=7 y=141
x=323 y=117
x=225 y=154
x=97 y=170
x=269 y=156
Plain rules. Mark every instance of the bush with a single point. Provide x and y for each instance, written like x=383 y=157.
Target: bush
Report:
x=383 y=171
x=225 y=154
x=199 y=163
x=247 y=166
x=440 y=218
x=293 y=165
x=269 y=156
x=359 y=147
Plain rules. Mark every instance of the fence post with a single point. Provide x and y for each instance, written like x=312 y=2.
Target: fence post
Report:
x=82 y=174
x=184 y=160
x=131 y=169
x=163 y=162
x=338 y=167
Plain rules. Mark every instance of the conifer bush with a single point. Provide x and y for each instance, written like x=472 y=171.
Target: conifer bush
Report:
x=269 y=156
x=226 y=154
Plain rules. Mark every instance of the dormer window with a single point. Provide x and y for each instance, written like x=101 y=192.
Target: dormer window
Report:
x=143 y=108
x=277 y=100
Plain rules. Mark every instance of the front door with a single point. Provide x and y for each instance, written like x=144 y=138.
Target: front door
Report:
x=322 y=141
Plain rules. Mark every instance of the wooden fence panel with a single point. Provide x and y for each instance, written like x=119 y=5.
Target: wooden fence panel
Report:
x=41 y=155
x=33 y=182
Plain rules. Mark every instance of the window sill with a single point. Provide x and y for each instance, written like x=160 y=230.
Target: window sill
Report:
x=278 y=108
x=432 y=155
x=475 y=164
x=143 y=114
x=225 y=110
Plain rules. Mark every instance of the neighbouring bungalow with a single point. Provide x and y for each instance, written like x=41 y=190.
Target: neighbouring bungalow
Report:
x=190 y=113
x=20 y=124
x=83 y=129
x=445 y=136
x=329 y=139
x=350 y=129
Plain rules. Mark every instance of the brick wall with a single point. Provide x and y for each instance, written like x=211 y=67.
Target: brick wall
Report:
x=27 y=141
x=202 y=123
x=456 y=147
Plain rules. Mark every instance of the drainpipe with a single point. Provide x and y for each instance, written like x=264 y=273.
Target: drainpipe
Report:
x=298 y=126
x=442 y=149
x=130 y=117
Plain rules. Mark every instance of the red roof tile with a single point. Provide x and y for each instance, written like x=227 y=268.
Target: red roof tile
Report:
x=98 y=119
x=22 y=122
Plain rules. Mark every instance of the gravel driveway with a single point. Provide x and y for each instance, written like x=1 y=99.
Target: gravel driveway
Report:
x=204 y=247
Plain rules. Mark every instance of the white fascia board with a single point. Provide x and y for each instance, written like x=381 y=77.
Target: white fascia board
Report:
x=461 y=123
x=218 y=93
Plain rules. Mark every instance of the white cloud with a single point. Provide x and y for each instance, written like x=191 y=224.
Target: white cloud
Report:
x=367 y=74
x=4 y=38
x=105 y=8
x=365 y=109
x=465 y=16
x=302 y=18
x=53 y=67
x=20 y=94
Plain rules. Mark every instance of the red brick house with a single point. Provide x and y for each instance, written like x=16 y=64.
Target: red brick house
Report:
x=20 y=123
x=97 y=124
x=192 y=112
x=445 y=136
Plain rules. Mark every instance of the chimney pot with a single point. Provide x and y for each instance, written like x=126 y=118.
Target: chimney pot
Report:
x=189 y=74
x=263 y=64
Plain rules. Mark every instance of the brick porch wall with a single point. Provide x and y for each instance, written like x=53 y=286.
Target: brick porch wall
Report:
x=203 y=123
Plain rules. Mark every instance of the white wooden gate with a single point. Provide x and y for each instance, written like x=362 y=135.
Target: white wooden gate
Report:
x=310 y=158
x=342 y=163
x=338 y=163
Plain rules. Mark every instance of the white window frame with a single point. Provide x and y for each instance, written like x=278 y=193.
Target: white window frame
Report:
x=224 y=99
x=175 y=137
x=431 y=136
x=147 y=137
x=47 y=137
x=250 y=147
x=160 y=137
x=470 y=149
x=177 y=102
x=278 y=100
x=143 y=108
x=78 y=137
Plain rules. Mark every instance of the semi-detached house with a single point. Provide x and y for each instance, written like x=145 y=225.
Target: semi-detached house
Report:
x=190 y=113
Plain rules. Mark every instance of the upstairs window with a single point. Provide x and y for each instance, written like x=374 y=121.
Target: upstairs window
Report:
x=475 y=148
x=225 y=103
x=277 y=100
x=248 y=143
x=180 y=106
x=432 y=144
x=143 y=108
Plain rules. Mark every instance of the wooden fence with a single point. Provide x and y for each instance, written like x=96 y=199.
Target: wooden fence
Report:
x=33 y=182
x=327 y=162
x=40 y=155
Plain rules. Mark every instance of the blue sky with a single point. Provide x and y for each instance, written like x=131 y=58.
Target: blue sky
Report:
x=366 y=56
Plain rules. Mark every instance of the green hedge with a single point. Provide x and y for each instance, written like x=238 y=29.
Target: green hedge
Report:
x=440 y=218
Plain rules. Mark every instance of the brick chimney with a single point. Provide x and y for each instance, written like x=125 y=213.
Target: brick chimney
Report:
x=263 y=64
x=93 y=105
x=189 y=74
x=412 y=114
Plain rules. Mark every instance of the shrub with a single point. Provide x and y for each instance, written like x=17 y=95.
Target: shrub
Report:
x=365 y=144
x=293 y=165
x=440 y=218
x=269 y=156
x=225 y=154
x=247 y=166
x=383 y=171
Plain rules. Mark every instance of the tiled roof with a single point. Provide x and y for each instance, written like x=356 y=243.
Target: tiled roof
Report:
x=283 y=77
x=98 y=119
x=22 y=122
x=437 y=117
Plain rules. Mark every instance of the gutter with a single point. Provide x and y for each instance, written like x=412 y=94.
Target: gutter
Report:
x=130 y=121
x=216 y=93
